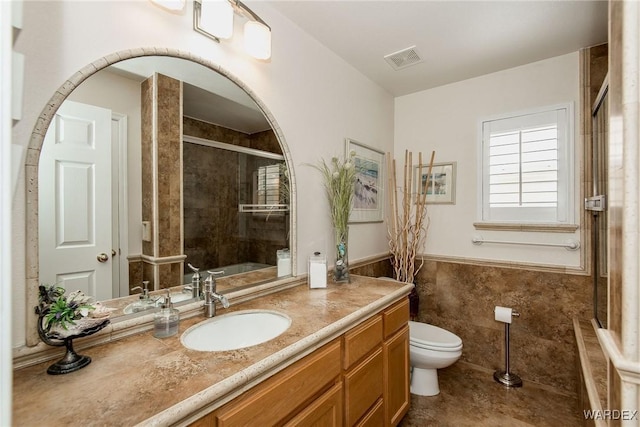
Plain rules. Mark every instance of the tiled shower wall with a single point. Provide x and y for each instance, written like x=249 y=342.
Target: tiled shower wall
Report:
x=461 y=298
x=210 y=206
x=214 y=233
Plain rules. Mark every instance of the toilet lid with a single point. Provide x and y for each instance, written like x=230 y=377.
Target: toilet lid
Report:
x=423 y=334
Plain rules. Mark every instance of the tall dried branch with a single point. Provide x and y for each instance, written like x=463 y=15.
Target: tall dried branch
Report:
x=408 y=224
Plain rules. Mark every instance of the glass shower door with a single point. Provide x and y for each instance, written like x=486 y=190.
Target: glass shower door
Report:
x=597 y=206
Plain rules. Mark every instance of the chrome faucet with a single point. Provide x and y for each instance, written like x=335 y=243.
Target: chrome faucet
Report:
x=210 y=295
x=195 y=288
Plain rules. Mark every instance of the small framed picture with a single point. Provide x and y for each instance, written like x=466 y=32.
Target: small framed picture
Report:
x=368 y=197
x=440 y=186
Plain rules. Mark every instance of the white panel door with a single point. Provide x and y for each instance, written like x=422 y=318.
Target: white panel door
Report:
x=75 y=201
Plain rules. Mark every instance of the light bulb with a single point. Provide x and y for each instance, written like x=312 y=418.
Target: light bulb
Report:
x=257 y=40
x=170 y=5
x=216 y=17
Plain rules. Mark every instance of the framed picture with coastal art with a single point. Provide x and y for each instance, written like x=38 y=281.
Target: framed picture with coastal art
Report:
x=440 y=186
x=368 y=197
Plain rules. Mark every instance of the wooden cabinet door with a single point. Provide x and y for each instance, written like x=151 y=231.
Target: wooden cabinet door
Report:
x=375 y=416
x=272 y=401
x=363 y=385
x=325 y=411
x=395 y=317
x=396 y=376
x=362 y=340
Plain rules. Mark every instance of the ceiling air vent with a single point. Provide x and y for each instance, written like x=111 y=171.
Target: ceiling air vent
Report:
x=403 y=58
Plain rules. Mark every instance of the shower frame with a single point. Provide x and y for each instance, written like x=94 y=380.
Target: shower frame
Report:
x=596 y=204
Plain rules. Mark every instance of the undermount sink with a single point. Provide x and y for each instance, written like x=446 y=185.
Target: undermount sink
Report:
x=235 y=330
x=138 y=306
x=180 y=296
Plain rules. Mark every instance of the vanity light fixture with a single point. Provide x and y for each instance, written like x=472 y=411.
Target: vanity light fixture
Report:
x=214 y=19
x=257 y=39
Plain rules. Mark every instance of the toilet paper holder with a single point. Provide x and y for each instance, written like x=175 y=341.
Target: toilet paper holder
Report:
x=506 y=377
x=505 y=314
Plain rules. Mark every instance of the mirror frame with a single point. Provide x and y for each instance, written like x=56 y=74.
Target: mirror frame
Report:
x=37 y=138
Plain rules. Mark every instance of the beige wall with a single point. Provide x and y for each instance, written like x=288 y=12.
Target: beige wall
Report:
x=447 y=118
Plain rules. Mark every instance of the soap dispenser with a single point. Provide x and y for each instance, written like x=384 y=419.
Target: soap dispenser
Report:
x=166 y=321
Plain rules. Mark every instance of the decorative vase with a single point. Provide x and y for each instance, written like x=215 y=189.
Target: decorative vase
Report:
x=341 y=269
x=57 y=336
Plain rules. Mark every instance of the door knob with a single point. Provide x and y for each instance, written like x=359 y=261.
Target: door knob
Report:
x=103 y=257
x=113 y=252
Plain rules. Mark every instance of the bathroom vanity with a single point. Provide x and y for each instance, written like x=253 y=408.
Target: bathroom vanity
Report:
x=343 y=361
x=361 y=376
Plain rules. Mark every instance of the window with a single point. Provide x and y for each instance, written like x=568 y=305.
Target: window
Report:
x=268 y=185
x=270 y=190
x=527 y=167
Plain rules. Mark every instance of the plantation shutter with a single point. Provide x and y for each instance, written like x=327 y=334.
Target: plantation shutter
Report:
x=269 y=184
x=526 y=167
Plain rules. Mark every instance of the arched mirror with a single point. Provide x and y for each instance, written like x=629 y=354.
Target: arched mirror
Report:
x=155 y=163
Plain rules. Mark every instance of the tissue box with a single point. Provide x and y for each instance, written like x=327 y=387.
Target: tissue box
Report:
x=284 y=262
x=317 y=271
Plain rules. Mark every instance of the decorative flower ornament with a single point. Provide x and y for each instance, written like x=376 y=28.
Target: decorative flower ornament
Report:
x=61 y=319
x=61 y=310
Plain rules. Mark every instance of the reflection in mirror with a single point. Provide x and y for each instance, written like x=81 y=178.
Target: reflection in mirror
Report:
x=153 y=163
x=235 y=214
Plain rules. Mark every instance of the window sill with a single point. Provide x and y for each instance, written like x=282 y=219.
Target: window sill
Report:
x=541 y=228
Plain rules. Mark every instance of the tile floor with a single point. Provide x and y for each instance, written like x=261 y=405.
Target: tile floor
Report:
x=469 y=396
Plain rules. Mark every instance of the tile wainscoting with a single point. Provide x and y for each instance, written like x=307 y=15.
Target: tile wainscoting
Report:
x=461 y=298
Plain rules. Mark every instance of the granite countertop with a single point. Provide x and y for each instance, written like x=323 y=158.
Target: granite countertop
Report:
x=145 y=380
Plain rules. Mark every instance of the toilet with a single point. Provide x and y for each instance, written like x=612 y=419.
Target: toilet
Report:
x=430 y=348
